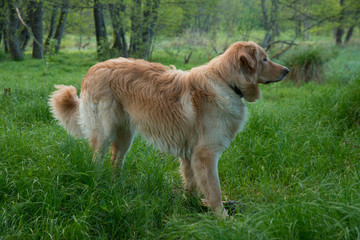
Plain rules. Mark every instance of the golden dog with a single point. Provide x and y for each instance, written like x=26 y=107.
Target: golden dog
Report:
x=191 y=114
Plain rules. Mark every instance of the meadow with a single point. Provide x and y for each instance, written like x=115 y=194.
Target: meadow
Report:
x=294 y=167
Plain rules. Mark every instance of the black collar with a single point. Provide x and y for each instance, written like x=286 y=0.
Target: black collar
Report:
x=236 y=90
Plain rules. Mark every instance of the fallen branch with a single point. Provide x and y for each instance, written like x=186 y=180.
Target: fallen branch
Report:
x=36 y=41
x=281 y=52
x=29 y=29
x=289 y=44
x=187 y=58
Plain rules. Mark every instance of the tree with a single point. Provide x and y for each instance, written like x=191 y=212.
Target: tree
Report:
x=300 y=18
x=135 y=38
x=12 y=31
x=339 y=31
x=150 y=15
x=274 y=18
x=270 y=23
x=349 y=34
x=2 y=18
x=80 y=22
x=100 y=31
x=52 y=28
x=25 y=34
x=336 y=15
x=5 y=41
x=37 y=28
x=143 y=27
x=117 y=13
x=352 y=19
x=61 y=24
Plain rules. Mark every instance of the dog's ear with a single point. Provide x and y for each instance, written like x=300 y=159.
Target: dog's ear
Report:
x=242 y=55
x=248 y=58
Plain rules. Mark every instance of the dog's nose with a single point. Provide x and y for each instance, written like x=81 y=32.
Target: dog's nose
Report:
x=286 y=71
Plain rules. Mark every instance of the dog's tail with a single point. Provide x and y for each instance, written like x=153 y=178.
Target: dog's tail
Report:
x=64 y=104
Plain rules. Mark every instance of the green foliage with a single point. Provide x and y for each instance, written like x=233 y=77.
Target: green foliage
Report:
x=347 y=109
x=2 y=56
x=105 y=50
x=50 y=51
x=306 y=64
x=171 y=19
x=81 y=24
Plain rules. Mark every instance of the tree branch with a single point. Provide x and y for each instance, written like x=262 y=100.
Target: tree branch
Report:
x=29 y=29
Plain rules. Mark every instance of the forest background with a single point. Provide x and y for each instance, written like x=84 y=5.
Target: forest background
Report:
x=133 y=28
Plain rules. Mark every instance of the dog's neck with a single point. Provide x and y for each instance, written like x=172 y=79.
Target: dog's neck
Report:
x=236 y=90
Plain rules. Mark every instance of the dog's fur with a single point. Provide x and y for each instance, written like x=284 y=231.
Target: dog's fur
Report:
x=191 y=114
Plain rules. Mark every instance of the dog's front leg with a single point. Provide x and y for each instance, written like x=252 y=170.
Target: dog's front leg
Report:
x=188 y=175
x=120 y=145
x=99 y=146
x=204 y=165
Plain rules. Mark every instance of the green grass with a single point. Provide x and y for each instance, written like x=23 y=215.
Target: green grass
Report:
x=295 y=166
x=306 y=64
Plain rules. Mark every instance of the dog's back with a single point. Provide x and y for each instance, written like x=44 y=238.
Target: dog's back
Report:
x=150 y=98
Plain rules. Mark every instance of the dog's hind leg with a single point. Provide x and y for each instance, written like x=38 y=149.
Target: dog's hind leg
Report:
x=204 y=164
x=187 y=174
x=99 y=144
x=120 y=145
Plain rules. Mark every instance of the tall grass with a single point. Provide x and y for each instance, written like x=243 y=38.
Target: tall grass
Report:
x=348 y=107
x=307 y=64
x=294 y=168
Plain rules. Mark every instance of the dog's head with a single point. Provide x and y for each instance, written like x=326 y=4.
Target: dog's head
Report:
x=252 y=67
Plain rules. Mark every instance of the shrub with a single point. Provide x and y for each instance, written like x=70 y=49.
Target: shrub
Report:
x=306 y=65
x=347 y=109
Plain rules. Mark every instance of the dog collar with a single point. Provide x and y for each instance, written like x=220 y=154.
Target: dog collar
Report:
x=237 y=90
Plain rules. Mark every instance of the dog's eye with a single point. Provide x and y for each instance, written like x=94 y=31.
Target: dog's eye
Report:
x=265 y=59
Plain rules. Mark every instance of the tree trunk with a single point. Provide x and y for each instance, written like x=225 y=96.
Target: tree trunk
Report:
x=273 y=18
x=12 y=30
x=1 y=30
x=37 y=28
x=297 y=21
x=117 y=12
x=306 y=32
x=52 y=28
x=339 y=32
x=145 y=31
x=100 y=30
x=150 y=16
x=136 y=30
x=24 y=37
x=6 y=42
x=24 y=34
x=81 y=30
x=267 y=26
x=61 y=25
x=2 y=18
x=349 y=34
x=271 y=25
x=351 y=29
x=305 y=22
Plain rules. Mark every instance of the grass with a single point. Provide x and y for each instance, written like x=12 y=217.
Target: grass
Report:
x=294 y=167
x=307 y=64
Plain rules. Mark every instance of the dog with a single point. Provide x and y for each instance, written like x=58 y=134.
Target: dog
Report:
x=193 y=114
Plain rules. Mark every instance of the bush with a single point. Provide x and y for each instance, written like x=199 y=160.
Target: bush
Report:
x=347 y=109
x=306 y=65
